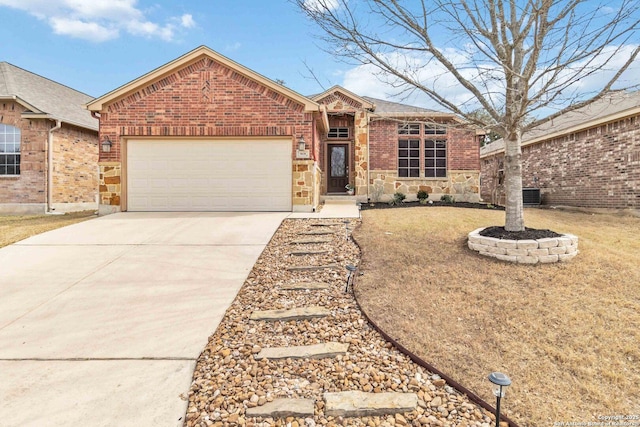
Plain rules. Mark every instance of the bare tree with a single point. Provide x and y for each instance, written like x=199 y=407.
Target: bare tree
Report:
x=512 y=58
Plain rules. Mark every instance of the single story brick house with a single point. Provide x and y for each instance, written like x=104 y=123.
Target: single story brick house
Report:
x=48 y=146
x=204 y=133
x=587 y=158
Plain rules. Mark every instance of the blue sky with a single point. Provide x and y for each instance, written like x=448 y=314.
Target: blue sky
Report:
x=97 y=45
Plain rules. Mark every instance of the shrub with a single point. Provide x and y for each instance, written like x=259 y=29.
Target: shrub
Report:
x=447 y=198
x=398 y=198
x=376 y=192
x=423 y=196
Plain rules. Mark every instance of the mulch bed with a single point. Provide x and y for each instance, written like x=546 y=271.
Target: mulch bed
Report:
x=527 y=234
x=384 y=205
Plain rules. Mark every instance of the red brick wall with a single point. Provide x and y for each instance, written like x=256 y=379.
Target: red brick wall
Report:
x=597 y=168
x=463 y=150
x=383 y=145
x=203 y=99
x=30 y=186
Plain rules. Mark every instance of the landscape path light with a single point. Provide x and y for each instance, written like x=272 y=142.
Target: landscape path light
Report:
x=500 y=383
x=351 y=269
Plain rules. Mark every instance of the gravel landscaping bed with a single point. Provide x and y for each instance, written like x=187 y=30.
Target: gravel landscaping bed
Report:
x=228 y=378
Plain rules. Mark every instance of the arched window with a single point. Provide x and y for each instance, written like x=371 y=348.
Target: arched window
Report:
x=9 y=150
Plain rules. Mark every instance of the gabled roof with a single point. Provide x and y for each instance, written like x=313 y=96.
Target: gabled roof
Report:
x=613 y=106
x=366 y=104
x=45 y=98
x=189 y=58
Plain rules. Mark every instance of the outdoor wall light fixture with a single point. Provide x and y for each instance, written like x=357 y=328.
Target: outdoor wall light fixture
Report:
x=106 y=145
x=351 y=269
x=301 y=144
x=500 y=383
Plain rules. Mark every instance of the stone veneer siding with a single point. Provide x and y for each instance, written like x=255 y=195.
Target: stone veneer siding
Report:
x=594 y=168
x=303 y=196
x=356 y=119
x=75 y=168
x=202 y=99
x=75 y=172
x=110 y=185
x=361 y=152
x=462 y=185
x=463 y=165
x=541 y=251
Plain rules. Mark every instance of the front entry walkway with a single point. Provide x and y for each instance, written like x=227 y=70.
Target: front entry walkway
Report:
x=101 y=322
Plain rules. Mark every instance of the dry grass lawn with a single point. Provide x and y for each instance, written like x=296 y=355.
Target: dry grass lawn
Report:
x=567 y=334
x=14 y=228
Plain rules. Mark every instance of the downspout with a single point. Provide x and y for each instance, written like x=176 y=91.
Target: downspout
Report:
x=315 y=164
x=50 y=167
x=368 y=156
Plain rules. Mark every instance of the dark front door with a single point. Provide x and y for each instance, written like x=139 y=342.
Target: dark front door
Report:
x=338 y=168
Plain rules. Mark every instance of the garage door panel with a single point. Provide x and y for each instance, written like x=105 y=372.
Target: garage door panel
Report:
x=197 y=175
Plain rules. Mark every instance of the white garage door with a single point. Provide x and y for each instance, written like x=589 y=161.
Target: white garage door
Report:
x=205 y=175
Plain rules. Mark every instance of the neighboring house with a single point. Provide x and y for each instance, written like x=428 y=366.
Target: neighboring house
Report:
x=589 y=157
x=204 y=133
x=48 y=145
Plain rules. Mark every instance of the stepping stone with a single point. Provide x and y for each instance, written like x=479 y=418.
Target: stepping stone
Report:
x=304 y=286
x=361 y=404
x=292 y=314
x=316 y=233
x=315 y=351
x=309 y=241
x=300 y=253
x=282 y=408
x=313 y=267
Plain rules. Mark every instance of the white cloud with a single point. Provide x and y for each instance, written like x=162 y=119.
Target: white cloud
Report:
x=187 y=21
x=370 y=81
x=84 y=30
x=233 y=47
x=150 y=29
x=98 y=20
x=321 y=5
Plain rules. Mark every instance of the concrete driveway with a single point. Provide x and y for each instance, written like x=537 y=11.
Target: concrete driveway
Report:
x=101 y=322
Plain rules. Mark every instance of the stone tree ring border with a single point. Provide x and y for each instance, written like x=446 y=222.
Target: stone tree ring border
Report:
x=543 y=251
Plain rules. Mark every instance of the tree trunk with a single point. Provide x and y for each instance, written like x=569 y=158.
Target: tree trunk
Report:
x=514 y=218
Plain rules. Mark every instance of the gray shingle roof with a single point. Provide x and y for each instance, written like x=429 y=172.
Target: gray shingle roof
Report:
x=388 y=107
x=46 y=96
x=610 y=105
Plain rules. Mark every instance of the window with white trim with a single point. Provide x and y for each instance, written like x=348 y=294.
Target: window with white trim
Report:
x=435 y=129
x=422 y=155
x=409 y=158
x=9 y=150
x=435 y=158
x=341 y=133
x=409 y=129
